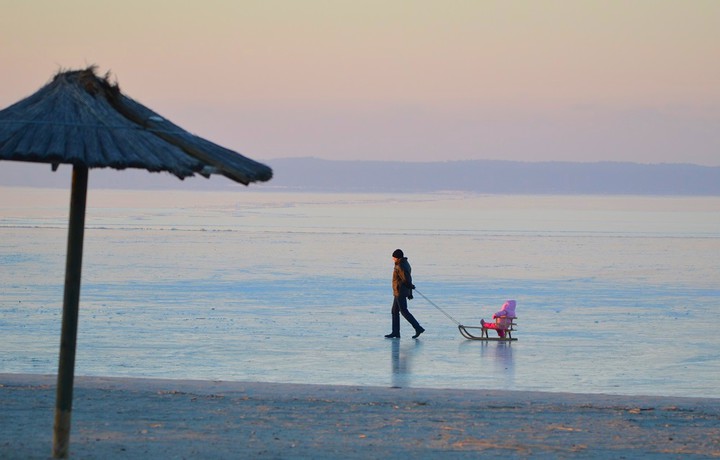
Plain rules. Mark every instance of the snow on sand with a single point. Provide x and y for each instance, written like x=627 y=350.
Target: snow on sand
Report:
x=117 y=418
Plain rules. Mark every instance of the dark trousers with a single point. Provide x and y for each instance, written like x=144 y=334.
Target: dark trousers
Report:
x=400 y=307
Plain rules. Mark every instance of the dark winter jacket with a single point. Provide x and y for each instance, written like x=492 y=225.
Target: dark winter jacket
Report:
x=402 y=280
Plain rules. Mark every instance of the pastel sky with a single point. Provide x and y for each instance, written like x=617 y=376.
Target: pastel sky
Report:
x=416 y=80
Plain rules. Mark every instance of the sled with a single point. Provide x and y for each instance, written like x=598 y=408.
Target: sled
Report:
x=505 y=319
x=509 y=326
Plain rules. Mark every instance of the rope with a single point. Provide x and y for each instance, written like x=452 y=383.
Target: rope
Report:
x=440 y=309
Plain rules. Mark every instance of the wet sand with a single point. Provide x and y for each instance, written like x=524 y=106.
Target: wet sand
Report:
x=123 y=418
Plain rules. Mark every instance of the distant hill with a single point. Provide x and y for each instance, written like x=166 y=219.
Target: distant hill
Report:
x=478 y=176
x=501 y=177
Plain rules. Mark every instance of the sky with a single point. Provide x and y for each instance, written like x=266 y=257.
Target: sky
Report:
x=415 y=80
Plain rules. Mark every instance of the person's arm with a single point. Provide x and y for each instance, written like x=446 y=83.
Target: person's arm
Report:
x=405 y=277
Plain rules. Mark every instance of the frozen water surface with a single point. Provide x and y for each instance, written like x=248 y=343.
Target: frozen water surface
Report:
x=615 y=294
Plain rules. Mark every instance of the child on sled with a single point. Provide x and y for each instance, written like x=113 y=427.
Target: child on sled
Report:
x=502 y=318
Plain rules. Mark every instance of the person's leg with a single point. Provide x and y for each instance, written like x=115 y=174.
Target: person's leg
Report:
x=402 y=303
x=395 y=313
x=500 y=331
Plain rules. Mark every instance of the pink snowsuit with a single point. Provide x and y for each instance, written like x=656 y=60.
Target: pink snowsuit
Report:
x=502 y=318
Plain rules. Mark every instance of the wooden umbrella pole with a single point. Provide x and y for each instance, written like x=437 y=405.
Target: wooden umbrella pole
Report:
x=71 y=302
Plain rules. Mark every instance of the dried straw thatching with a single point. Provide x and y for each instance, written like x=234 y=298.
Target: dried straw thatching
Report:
x=82 y=119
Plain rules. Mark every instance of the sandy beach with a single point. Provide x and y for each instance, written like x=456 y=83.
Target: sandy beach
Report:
x=149 y=418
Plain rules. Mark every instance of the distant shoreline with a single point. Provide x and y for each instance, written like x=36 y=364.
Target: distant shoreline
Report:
x=477 y=176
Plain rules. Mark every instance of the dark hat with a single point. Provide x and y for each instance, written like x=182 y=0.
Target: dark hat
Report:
x=398 y=254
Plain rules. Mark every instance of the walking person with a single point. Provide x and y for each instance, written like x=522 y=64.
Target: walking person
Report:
x=402 y=290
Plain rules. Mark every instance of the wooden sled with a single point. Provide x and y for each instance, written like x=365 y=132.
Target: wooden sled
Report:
x=509 y=326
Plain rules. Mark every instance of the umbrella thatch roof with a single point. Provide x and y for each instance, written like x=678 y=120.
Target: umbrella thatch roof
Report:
x=82 y=119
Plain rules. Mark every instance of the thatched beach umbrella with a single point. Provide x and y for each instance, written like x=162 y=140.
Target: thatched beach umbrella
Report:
x=84 y=120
